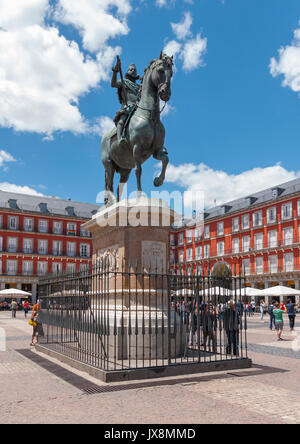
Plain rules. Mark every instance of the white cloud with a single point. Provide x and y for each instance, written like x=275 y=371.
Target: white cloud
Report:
x=288 y=64
x=193 y=52
x=192 y=49
x=182 y=30
x=43 y=75
x=103 y=125
x=5 y=157
x=5 y=186
x=224 y=187
x=94 y=20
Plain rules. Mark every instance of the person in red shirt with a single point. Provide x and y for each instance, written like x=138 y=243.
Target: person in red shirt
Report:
x=26 y=307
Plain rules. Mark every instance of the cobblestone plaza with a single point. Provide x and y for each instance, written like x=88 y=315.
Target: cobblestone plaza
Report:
x=36 y=389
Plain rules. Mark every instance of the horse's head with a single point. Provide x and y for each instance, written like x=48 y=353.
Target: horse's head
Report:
x=161 y=76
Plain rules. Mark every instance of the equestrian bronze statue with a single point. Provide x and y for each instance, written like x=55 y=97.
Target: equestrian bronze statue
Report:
x=139 y=133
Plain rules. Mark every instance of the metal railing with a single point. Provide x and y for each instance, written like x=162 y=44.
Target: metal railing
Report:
x=120 y=318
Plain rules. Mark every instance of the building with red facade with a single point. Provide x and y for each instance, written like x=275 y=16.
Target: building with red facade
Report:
x=259 y=235
x=39 y=236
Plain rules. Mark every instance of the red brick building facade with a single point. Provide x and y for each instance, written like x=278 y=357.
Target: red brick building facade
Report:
x=259 y=234
x=40 y=236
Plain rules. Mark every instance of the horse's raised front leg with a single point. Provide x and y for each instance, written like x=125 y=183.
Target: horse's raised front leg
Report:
x=163 y=156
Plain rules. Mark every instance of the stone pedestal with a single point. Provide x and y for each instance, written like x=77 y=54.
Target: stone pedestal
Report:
x=131 y=246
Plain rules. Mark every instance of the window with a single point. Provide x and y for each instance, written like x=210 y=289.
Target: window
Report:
x=189 y=255
x=57 y=248
x=271 y=215
x=12 y=244
x=236 y=245
x=11 y=267
x=246 y=266
x=180 y=239
x=85 y=250
x=298 y=207
x=259 y=241
x=71 y=268
x=56 y=268
x=172 y=240
x=235 y=224
x=272 y=239
x=273 y=264
x=245 y=222
x=220 y=229
x=42 y=268
x=288 y=236
x=172 y=257
x=288 y=261
x=28 y=225
x=1 y=221
x=207 y=232
x=181 y=257
x=259 y=265
x=57 y=227
x=189 y=236
x=43 y=226
x=84 y=233
x=71 y=249
x=12 y=222
x=206 y=251
x=287 y=211
x=220 y=248
x=71 y=229
x=1 y=266
x=198 y=234
x=28 y=246
x=27 y=268
x=246 y=243
x=257 y=219
x=43 y=246
x=1 y=243
x=198 y=253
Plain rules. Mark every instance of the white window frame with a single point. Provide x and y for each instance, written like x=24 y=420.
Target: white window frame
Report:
x=1 y=243
x=57 y=227
x=259 y=265
x=57 y=248
x=220 y=228
x=207 y=232
x=189 y=236
x=11 y=267
x=272 y=243
x=235 y=224
x=257 y=219
x=180 y=239
x=221 y=248
x=288 y=262
x=273 y=264
x=42 y=268
x=246 y=267
x=43 y=226
x=14 y=242
x=206 y=251
x=269 y=219
x=259 y=241
x=71 y=249
x=27 y=268
x=43 y=250
x=189 y=255
x=181 y=256
x=28 y=227
x=198 y=253
x=287 y=211
x=236 y=245
x=288 y=239
x=246 y=249
x=246 y=222
x=13 y=223
x=27 y=249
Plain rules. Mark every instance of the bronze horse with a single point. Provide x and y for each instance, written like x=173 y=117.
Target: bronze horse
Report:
x=145 y=132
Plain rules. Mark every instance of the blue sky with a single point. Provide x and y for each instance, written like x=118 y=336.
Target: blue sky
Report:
x=233 y=120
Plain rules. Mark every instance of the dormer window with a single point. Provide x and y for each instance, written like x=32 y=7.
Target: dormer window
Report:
x=71 y=211
x=43 y=208
x=276 y=192
x=250 y=200
x=13 y=204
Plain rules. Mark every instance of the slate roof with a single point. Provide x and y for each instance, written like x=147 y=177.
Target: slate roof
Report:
x=246 y=203
x=47 y=205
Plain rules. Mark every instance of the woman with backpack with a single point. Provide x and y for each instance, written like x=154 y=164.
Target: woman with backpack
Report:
x=271 y=314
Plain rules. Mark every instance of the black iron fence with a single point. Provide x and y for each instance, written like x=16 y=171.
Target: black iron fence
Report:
x=127 y=318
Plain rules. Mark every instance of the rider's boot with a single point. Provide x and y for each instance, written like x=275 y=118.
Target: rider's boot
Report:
x=122 y=141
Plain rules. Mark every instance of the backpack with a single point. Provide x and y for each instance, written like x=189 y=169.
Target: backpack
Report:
x=270 y=309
